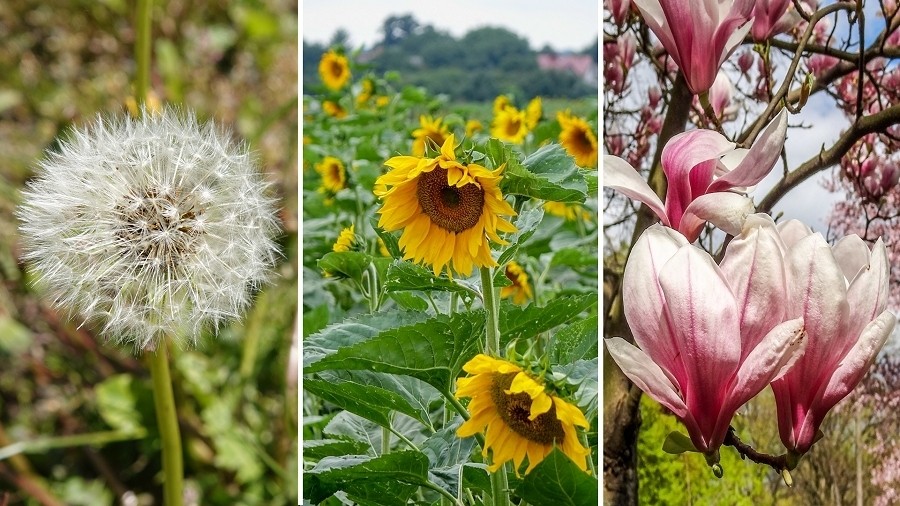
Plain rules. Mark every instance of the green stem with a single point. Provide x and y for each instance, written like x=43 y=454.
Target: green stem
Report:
x=142 y=51
x=499 y=487
x=445 y=496
x=584 y=441
x=167 y=420
x=491 y=312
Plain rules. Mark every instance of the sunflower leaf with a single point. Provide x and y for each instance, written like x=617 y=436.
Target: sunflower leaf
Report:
x=574 y=341
x=315 y=449
x=386 y=480
x=548 y=174
x=353 y=330
x=432 y=351
x=523 y=322
x=446 y=454
x=558 y=481
x=527 y=222
x=402 y=276
x=390 y=240
x=348 y=264
x=368 y=401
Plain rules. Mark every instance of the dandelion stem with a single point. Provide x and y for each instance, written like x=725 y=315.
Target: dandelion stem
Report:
x=492 y=313
x=142 y=51
x=167 y=420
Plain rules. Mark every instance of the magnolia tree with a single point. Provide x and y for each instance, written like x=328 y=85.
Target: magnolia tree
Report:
x=710 y=297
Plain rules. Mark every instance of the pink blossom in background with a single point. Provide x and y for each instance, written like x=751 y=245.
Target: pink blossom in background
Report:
x=720 y=96
x=745 y=61
x=702 y=167
x=766 y=15
x=698 y=35
x=619 y=10
x=708 y=338
x=841 y=293
x=818 y=64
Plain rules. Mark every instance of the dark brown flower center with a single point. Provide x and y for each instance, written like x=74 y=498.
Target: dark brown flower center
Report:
x=580 y=142
x=452 y=208
x=512 y=127
x=159 y=227
x=337 y=70
x=514 y=409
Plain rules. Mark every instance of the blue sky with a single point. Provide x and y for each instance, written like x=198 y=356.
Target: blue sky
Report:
x=564 y=26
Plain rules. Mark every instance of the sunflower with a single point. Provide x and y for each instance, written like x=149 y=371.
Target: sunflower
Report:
x=569 y=212
x=345 y=240
x=519 y=290
x=334 y=70
x=430 y=128
x=533 y=113
x=382 y=101
x=578 y=138
x=445 y=209
x=472 y=126
x=333 y=109
x=366 y=92
x=334 y=177
x=500 y=103
x=519 y=416
x=510 y=124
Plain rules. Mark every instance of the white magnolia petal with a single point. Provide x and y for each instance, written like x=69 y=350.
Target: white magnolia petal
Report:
x=646 y=374
x=618 y=174
x=726 y=210
x=759 y=161
x=852 y=254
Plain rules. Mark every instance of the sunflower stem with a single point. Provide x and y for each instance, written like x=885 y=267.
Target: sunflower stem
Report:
x=584 y=441
x=499 y=487
x=492 y=313
x=167 y=420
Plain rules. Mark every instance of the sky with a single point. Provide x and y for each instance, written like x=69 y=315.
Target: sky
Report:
x=571 y=25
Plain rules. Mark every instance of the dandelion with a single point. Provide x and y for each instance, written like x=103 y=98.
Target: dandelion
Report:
x=518 y=415
x=578 y=139
x=447 y=210
x=334 y=70
x=519 y=290
x=334 y=177
x=430 y=128
x=345 y=240
x=149 y=227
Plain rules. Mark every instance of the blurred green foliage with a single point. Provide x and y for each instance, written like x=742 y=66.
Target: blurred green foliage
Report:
x=76 y=414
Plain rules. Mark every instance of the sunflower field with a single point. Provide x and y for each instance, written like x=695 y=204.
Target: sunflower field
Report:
x=450 y=300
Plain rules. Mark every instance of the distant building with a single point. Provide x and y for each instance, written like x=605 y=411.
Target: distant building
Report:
x=582 y=65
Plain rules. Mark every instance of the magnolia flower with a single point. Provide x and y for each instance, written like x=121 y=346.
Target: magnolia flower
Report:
x=150 y=227
x=619 y=10
x=767 y=15
x=709 y=338
x=841 y=293
x=699 y=36
x=701 y=166
x=720 y=97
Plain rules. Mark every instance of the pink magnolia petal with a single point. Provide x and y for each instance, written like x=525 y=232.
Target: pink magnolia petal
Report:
x=759 y=161
x=731 y=41
x=852 y=254
x=725 y=210
x=868 y=292
x=648 y=376
x=817 y=292
x=855 y=365
x=680 y=156
x=618 y=174
x=653 y=15
x=754 y=267
x=702 y=316
x=643 y=299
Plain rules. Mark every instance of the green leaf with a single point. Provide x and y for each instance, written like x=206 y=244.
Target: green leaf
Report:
x=16 y=337
x=391 y=242
x=446 y=453
x=317 y=449
x=575 y=341
x=403 y=275
x=583 y=374
x=118 y=404
x=677 y=443
x=432 y=351
x=547 y=174
x=557 y=481
x=518 y=322
x=527 y=222
x=347 y=264
x=386 y=480
x=368 y=401
x=352 y=331
x=315 y=319
x=347 y=426
x=409 y=301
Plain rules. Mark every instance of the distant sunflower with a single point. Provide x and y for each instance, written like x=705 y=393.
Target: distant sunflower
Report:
x=578 y=139
x=334 y=70
x=447 y=210
x=333 y=109
x=500 y=103
x=569 y=212
x=382 y=101
x=334 y=177
x=533 y=113
x=430 y=128
x=345 y=240
x=519 y=290
x=472 y=126
x=519 y=417
x=365 y=93
x=510 y=124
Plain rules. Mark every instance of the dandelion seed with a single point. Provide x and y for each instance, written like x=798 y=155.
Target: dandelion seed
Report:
x=149 y=227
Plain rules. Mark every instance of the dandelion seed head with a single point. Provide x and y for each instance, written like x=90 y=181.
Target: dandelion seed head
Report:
x=150 y=227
